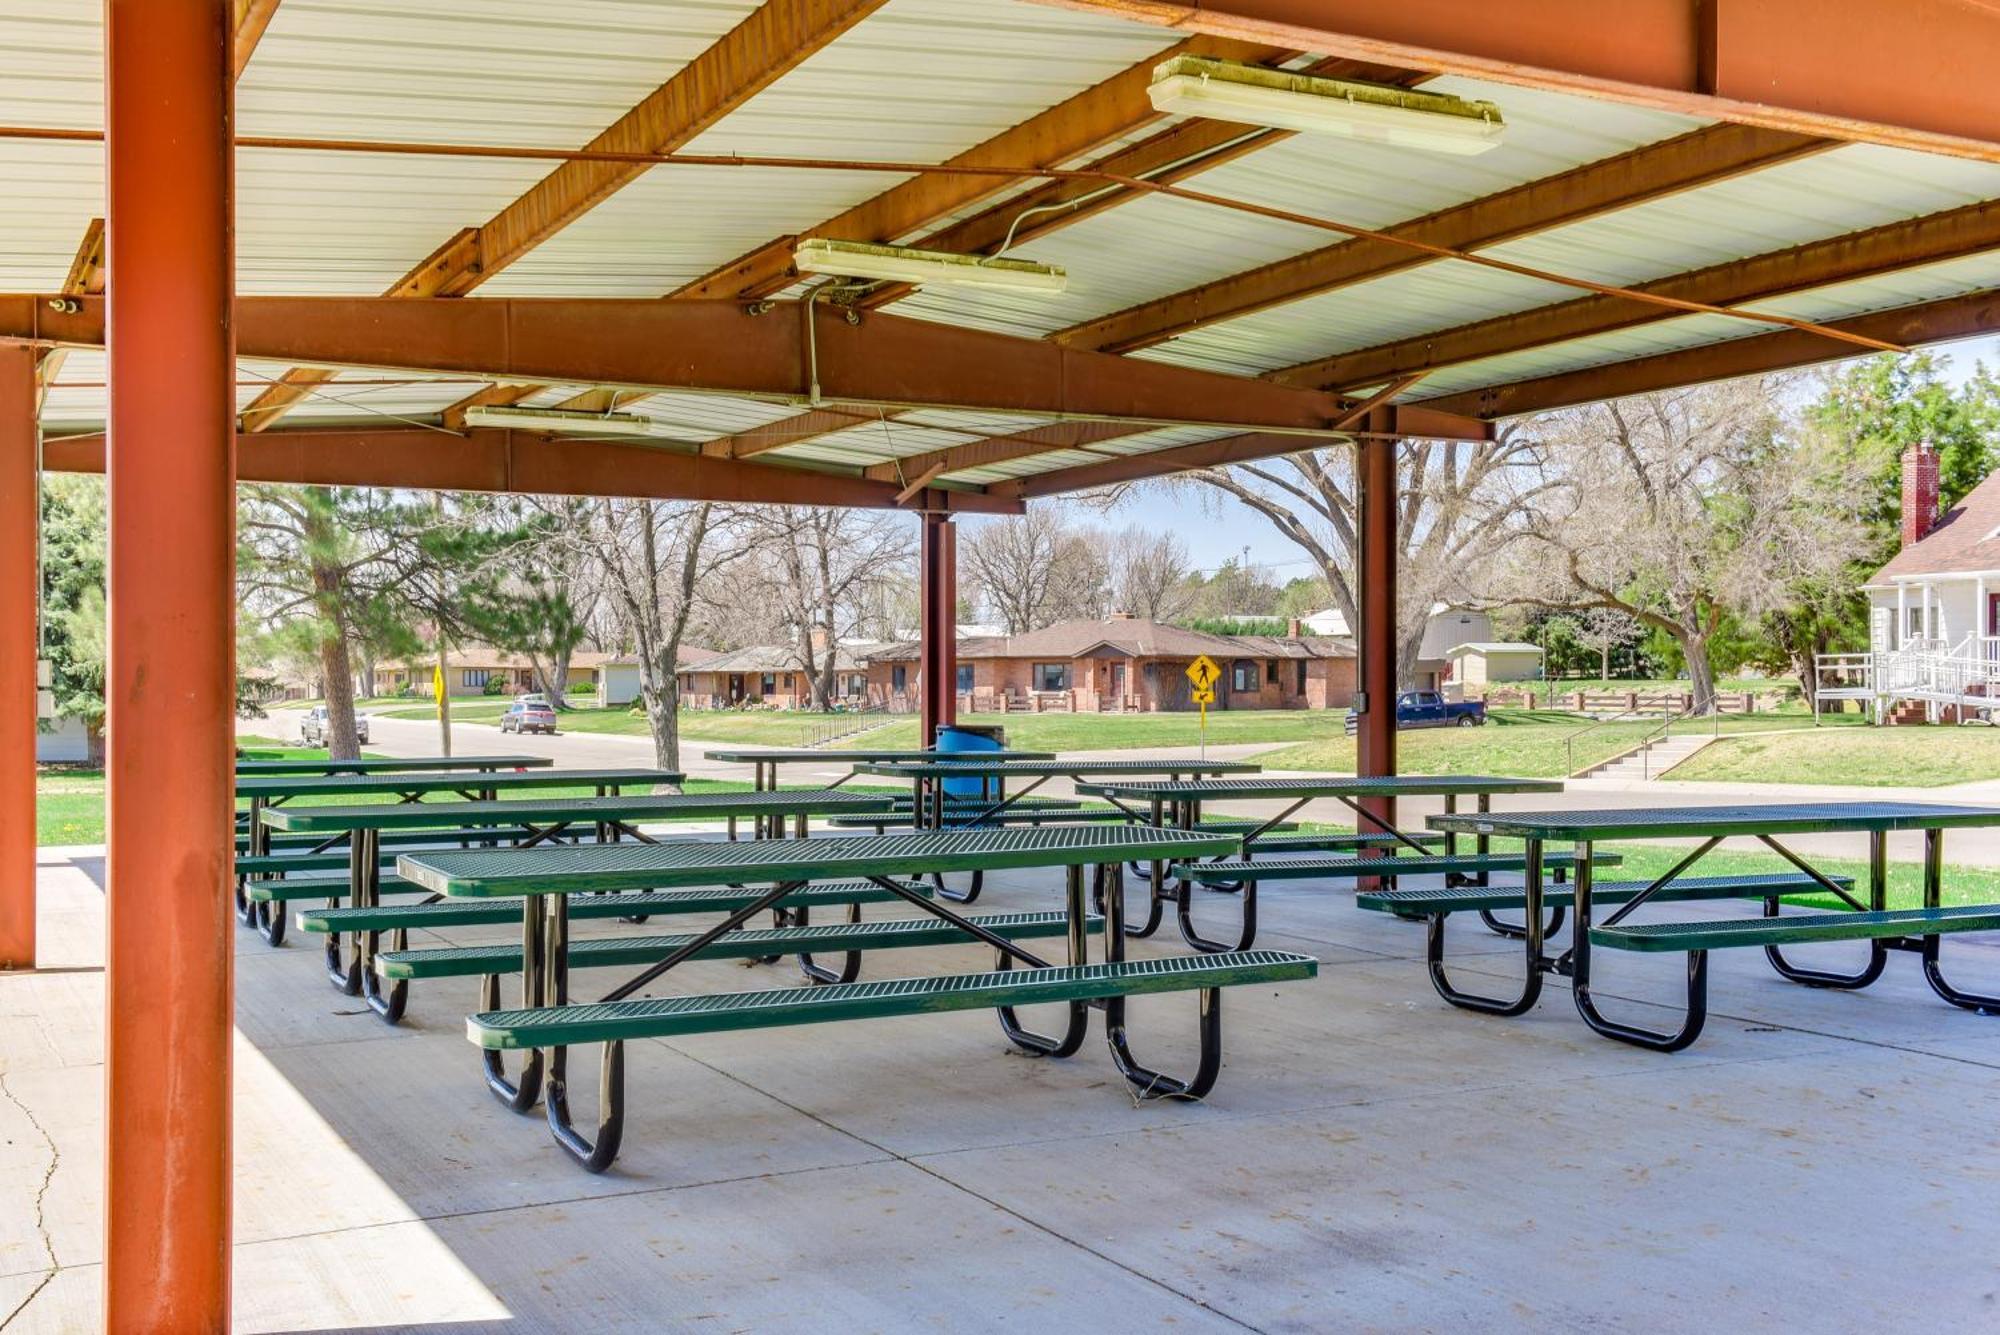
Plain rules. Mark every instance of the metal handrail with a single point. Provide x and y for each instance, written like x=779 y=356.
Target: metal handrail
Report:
x=1659 y=733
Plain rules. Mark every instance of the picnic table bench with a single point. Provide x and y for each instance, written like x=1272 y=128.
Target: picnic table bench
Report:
x=614 y=818
x=1177 y=803
x=766 y=761
x=548 y=879
x=1914 y=930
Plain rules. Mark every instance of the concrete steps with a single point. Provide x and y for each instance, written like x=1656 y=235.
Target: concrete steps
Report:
x=1649 y=762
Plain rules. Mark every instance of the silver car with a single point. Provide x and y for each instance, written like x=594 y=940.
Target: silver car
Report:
x=314 y=728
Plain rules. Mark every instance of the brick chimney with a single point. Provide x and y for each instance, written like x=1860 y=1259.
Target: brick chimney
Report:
x=1294 y=628
x=1920 y=492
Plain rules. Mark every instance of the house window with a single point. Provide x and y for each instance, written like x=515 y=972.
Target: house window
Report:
x=768 y=684
x=1243 y=675
x=1050 y=676
x=476 y=677
x=1271 y=672
x=965 y=676
x=899 y=678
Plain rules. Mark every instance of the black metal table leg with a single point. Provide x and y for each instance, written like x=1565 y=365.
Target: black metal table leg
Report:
x=522 y=1095
x=1149 y=1083
x=1878 y=951
x=1657 y=1040
x=1536 y=962
x=1042 y=1045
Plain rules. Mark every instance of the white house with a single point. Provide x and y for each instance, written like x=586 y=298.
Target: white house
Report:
x=1448 y=628
x=1942 y=590
x=1478 y=662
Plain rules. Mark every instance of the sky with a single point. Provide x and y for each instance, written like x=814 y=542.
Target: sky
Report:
x=1217 y=528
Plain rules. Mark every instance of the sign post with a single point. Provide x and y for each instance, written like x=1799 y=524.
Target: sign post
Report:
x=1202 y=674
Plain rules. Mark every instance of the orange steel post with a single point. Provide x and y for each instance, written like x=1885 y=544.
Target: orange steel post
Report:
x=18 y=589
x=1376 y=735
x=170 y=687
x=937 y=655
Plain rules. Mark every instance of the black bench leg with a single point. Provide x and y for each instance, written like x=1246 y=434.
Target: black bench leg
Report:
x=970 y=893
x=343 y=973
x=1934 y=975
x=594 y=1156
x=1515 y=931
x=1041 y=1045
x=390 y=1004
x=246 y=912
x=1152 y=1084
x=1183 y=910
x=816 y=973
x=1878 y=959
x=1658 y=1041
x=1156 y=900
x=1531 y=987
x=519 y=1097
x=268 y=917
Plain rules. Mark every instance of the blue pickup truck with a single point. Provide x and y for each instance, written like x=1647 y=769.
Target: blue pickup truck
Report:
x=1428 y=709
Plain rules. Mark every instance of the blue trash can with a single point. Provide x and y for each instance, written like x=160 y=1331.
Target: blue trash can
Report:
x=955 y=738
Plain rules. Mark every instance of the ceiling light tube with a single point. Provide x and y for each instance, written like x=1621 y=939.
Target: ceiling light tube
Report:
x=562 y=419
x=927 y=268
x=1374 y=113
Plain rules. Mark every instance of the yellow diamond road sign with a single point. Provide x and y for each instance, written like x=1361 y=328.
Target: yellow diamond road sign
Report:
x=1204 y=674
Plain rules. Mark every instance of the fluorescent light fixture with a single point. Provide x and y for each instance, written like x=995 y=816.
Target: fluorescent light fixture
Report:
x=906 y=264
x=563 y=419
x=1374 y=113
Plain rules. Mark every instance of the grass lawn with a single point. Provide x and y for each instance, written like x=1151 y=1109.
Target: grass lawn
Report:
x=1521 y=743
x=1916 y=757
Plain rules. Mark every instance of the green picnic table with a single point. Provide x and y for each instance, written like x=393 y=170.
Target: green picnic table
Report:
x=614 y=819
x=1178 y=803
x=927 y=792
x=386 y=765
x=268 y=791
x=546 y=1020
x=765 y=761
x=1914 y=930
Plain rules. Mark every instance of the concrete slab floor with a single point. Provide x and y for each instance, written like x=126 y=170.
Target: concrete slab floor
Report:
x=1371 y=1160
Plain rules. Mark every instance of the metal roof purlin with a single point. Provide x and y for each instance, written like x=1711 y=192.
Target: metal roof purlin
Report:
x=773 y=39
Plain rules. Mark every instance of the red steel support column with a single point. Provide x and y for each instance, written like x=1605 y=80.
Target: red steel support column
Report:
x=1375 y=460
x=18 y=591
x=170 y=688
x=937 y=662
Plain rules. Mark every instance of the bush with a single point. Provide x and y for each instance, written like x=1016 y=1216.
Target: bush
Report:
x=494 y=686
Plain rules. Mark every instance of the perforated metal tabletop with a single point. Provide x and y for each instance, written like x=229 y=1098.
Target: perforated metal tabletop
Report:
x=334 y=785
x=591 y=867
x=551 y=810
x=1735 y=819
x=982 y=766
x=1400 y=785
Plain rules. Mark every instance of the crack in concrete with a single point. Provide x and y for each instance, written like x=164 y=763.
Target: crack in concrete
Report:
x=41 y=1196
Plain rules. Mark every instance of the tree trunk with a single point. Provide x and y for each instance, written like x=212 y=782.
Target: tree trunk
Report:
x=1604 y=661
x=559 y=679
x=663 y=717
x=366 y=656
x=341 y=742
x=1701 y=674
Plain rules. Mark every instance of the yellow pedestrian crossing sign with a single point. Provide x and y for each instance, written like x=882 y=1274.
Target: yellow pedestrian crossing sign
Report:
x=1202 y=674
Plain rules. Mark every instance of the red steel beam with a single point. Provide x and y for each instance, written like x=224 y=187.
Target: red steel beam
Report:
x=1967 y=316
x=1411 y=421
x=744 y=61
x=1932 y=239
x=1375 y=734
x=19 y=521
x=721 y=347
x=522 y=463
x=1686 y=162
x=170 y=687
x=937 y=652
x=1908 y=73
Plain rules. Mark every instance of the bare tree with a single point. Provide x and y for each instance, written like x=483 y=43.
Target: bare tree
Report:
x=1149 y=574
x=818 y=567
x=1037 y=569
x=1460 y=504
x=654 y=557
x=1679 y=508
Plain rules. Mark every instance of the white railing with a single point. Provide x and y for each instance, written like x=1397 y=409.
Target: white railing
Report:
x=1921 y=669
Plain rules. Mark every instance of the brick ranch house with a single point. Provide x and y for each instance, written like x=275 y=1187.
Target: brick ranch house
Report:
x=769 y=675
x=1123 y=665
